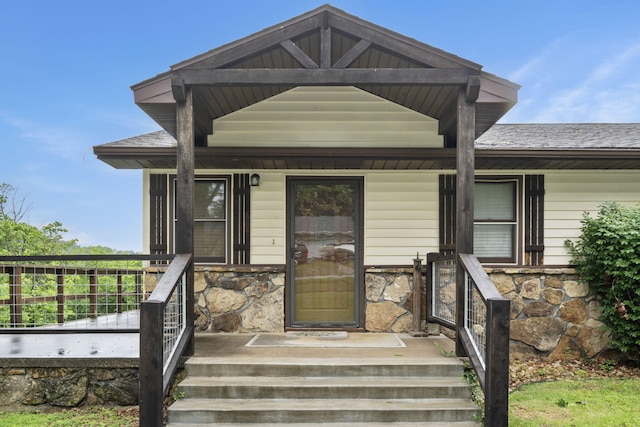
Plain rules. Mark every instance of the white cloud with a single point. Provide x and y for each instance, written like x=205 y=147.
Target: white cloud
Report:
x=590 y=84
x=55 y=140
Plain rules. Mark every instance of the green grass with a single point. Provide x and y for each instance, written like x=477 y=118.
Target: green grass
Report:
x=90 y=417
x=593 y=403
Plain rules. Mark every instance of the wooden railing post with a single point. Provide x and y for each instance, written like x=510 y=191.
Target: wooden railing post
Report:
x=60 y=294
x=119 y=297
x=15 y=296
x=151 y=363
x=93 y=294
x=497 y=362
x=417 y=331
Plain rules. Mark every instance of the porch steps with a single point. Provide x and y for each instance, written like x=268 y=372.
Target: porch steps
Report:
x=332 y=392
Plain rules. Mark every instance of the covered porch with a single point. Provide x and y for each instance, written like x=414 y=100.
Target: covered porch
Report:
x=222 y=110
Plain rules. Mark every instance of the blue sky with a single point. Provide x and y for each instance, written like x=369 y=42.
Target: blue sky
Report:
x=66 y=68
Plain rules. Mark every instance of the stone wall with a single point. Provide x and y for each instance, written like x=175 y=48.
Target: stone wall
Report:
x=68 y=387
x=251 y=298
x=389 y=299
x=239 y=299
x=552 y=313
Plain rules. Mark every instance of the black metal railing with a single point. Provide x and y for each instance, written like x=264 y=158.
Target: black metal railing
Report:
x=73 y=293
x=484 y=332
x=441 y=287
x=165 y=335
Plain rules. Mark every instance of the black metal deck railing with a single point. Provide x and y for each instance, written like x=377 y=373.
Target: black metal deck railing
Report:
x=89 y=293
x=106 y=293
x=484 y=332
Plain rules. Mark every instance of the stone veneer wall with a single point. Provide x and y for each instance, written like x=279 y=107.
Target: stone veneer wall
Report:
x=251 y=298
x=553 y=314
x=68 y=387
x=239 y=299
x=389 y=299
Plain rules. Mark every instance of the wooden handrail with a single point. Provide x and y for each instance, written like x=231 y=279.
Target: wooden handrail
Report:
x=493 y=374
x=155 y=375
x=492 y=368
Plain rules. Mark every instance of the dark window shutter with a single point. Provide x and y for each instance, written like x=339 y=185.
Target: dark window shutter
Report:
x=447 y=214
x=534 y=219
x=158 y=214
x=241 y=218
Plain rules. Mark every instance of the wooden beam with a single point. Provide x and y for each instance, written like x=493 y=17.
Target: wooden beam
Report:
x=331 y=76
x=185 y=187
x=298 y=54
x=465 y=172
x=473 y=89
x=178 y=89
x=353 y=54
x=400 y=45
x=325 y=47
x=255 y=43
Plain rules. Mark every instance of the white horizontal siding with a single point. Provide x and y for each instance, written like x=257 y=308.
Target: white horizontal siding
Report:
x=268 y=219
x=325 y=117
x=401 y=210
x=401 y=216
x=568 y=194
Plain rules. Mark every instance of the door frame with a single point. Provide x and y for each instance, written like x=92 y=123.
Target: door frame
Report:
x=358 y=181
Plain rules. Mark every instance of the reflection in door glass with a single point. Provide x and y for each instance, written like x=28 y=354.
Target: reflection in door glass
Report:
x=324 y=288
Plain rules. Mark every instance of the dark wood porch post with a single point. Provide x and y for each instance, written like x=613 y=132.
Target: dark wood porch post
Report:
x=465 y=171
x=185 y=189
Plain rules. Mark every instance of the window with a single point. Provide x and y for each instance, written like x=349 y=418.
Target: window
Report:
x=495 y=234
x=509 y=218
x=210 y=212
x=220 y=236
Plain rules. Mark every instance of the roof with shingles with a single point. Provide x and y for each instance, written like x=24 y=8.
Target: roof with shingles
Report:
x=534 y=136
x=561 y=136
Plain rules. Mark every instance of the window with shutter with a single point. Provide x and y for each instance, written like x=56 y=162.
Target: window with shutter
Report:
x=219 y=237
x=505 y=225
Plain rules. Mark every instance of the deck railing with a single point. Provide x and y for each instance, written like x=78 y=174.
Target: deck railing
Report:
x=441 y=287
x=165 y=334
x=71 y=293
x=484 y=333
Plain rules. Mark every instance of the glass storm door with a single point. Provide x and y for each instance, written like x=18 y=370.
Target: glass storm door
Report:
x=324 y=252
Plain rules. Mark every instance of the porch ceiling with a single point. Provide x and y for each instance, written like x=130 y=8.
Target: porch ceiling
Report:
x=325 y=46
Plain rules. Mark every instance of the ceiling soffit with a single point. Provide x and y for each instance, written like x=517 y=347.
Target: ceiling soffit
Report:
x=325 y=47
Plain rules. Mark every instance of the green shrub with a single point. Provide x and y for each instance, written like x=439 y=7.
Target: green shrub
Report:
x=607 y=257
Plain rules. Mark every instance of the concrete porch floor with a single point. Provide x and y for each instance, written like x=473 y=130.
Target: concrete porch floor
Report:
x=233 y=346
x=116 y=349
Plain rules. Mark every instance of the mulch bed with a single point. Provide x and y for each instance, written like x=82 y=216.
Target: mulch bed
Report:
x=538 y=370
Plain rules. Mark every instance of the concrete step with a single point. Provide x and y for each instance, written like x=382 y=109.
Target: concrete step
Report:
x=385 y=387
x=201 y=411
x=335 y=367
x=322 y=424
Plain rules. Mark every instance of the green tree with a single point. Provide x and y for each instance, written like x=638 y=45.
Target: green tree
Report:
x=607 y=257
x=19 y=238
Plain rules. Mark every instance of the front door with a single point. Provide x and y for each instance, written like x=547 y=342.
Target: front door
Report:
x=324 y=237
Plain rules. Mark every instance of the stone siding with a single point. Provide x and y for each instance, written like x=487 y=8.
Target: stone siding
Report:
x=251 y=298
x=553 y=314
x=389 y=299
x=239 y=299
x=68 y=387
